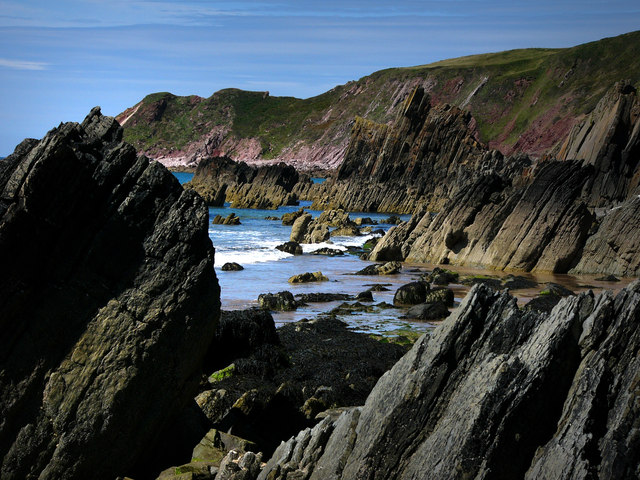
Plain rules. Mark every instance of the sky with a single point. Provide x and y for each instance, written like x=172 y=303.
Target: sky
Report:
x=59 y=59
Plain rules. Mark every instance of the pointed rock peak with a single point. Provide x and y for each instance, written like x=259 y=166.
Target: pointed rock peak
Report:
x=102 y=127
x=417 y=104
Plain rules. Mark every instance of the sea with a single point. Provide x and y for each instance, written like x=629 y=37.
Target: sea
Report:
x=267 y=270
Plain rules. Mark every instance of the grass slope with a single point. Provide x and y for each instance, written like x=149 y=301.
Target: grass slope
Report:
x=523 y=100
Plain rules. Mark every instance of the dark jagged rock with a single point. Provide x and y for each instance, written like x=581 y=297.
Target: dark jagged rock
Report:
x=541 y=227
x=221 y=179
x=325 y=364
x=578 y=215
x=232 y=267
x=109 y=303
x=240 y=333
x=494 y=393
x=411 y=293
x=294 y=248
x=281 y=301
x=440 y=276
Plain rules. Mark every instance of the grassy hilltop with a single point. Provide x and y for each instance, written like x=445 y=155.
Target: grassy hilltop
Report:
x=522 y=100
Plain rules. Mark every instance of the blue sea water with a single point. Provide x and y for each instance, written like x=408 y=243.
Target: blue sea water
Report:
x=267 y=270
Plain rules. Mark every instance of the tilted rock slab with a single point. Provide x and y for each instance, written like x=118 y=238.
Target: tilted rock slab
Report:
x=540 y=227
x=421 y=159
x=495 y=392
x=109 y=302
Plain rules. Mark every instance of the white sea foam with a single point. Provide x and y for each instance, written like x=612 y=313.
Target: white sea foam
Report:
x=247 y=257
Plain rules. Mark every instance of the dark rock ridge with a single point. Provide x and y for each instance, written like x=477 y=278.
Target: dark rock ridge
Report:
x=275 y=392
x=109 y=303
x=220 y=179
x=495 y=392
x=573 y=215
x=417 y=161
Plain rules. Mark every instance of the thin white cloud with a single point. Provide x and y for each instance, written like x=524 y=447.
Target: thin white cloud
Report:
x=23 y=64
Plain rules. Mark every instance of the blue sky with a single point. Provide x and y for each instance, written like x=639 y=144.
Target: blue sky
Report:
x=59 y=59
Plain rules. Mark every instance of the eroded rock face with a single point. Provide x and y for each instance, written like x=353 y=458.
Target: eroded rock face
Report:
x=420 y=160
x=495 y=392
x=109 y=302
x=220 y=179
x=538 y=227
x=609 y=140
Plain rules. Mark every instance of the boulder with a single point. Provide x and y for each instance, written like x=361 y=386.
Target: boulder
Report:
x=232 y=267
x=411 y=294
x=364 y=221
x=428 y=311
x=346 y=231
x=293 y=248
x=308 y=277
x=107 y=322
x=281 y=301
x=330 y=252
x=365 y=296
x=440 y=295
x=322 y=297
x=440 y=276
x=307 y=230
x=389 y=268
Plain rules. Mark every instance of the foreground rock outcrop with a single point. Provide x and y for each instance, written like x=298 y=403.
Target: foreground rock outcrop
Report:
x=109 y=302
x=495 y=392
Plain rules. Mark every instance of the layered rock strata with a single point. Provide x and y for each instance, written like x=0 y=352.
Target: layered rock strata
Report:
x=573 y=215
x=420 y=160
x=220 y=179
x=109 y=302
x=495 y=392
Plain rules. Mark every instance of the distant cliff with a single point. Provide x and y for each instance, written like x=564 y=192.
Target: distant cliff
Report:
x=523 y=101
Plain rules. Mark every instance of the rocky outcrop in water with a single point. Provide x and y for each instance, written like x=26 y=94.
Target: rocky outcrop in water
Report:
x=220 y=179
x=494 y=393
x=109 y=303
